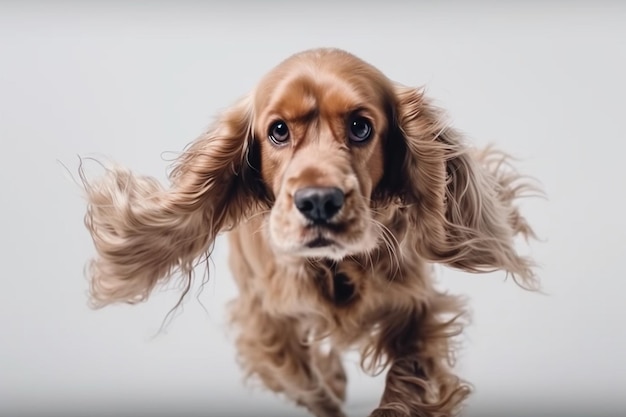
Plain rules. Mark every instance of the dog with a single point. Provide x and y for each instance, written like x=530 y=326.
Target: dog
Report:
x=339 y=190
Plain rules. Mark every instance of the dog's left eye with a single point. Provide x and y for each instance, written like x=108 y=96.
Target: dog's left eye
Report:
x=359 y=129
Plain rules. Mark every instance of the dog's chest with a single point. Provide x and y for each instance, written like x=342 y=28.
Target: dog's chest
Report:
x=337 y=288
x=322 y=288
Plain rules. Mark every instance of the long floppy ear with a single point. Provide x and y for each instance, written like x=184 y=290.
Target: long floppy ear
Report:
x=144 y=233
x=461 y=200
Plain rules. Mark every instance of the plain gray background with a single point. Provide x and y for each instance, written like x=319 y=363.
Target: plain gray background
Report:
x=128 y=81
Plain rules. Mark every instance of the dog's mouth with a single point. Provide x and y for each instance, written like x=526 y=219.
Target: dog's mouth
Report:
x=333 y=240
x=320 y=242
x=321 y=247
x=323 y=235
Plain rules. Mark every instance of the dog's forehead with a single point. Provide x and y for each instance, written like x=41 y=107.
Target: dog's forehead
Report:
x=311 y=83
x=305 y=96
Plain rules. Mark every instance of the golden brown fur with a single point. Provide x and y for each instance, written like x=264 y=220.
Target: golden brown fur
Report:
x=413 y=194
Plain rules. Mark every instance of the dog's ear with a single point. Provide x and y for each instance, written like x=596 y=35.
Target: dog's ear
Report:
x=461 y=201
x=144 y=233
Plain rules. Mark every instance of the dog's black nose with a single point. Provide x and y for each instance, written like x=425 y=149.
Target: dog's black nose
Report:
x=319 y=204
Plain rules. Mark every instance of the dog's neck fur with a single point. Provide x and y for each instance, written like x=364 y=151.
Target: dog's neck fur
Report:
x=342 y=298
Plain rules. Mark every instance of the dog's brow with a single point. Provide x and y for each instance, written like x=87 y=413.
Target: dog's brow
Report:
x=304 y=116
x=294 y=108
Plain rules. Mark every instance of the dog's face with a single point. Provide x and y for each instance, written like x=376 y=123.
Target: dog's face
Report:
x=321 y=121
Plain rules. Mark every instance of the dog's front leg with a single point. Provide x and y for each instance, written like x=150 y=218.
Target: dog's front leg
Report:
x=419 y=382
x=272 y=348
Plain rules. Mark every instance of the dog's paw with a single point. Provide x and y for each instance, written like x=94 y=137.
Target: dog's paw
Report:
x=391 y=411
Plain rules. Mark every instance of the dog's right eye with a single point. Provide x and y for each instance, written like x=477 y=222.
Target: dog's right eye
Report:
x=279 y=132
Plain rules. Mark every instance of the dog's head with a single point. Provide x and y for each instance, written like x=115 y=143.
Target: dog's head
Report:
x=323 y=147
x=321 y=123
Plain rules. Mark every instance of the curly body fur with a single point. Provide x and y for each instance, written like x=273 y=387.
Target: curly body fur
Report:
x=415 y=195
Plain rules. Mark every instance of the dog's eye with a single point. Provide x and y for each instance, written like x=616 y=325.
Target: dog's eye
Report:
x=359 y=129
x=279 y=132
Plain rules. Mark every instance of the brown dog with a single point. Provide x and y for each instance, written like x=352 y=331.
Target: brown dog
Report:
x=339 y=189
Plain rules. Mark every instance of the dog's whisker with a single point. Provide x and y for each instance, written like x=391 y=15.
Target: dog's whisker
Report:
x=391 y=244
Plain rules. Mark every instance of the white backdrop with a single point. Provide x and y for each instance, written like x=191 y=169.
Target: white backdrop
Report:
x=129 y=81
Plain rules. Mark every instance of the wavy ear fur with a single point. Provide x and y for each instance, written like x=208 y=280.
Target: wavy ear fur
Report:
x=462 y=199
x=144 y=233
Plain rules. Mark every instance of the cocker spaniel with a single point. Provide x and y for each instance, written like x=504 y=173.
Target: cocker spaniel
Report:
x=339 y=190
